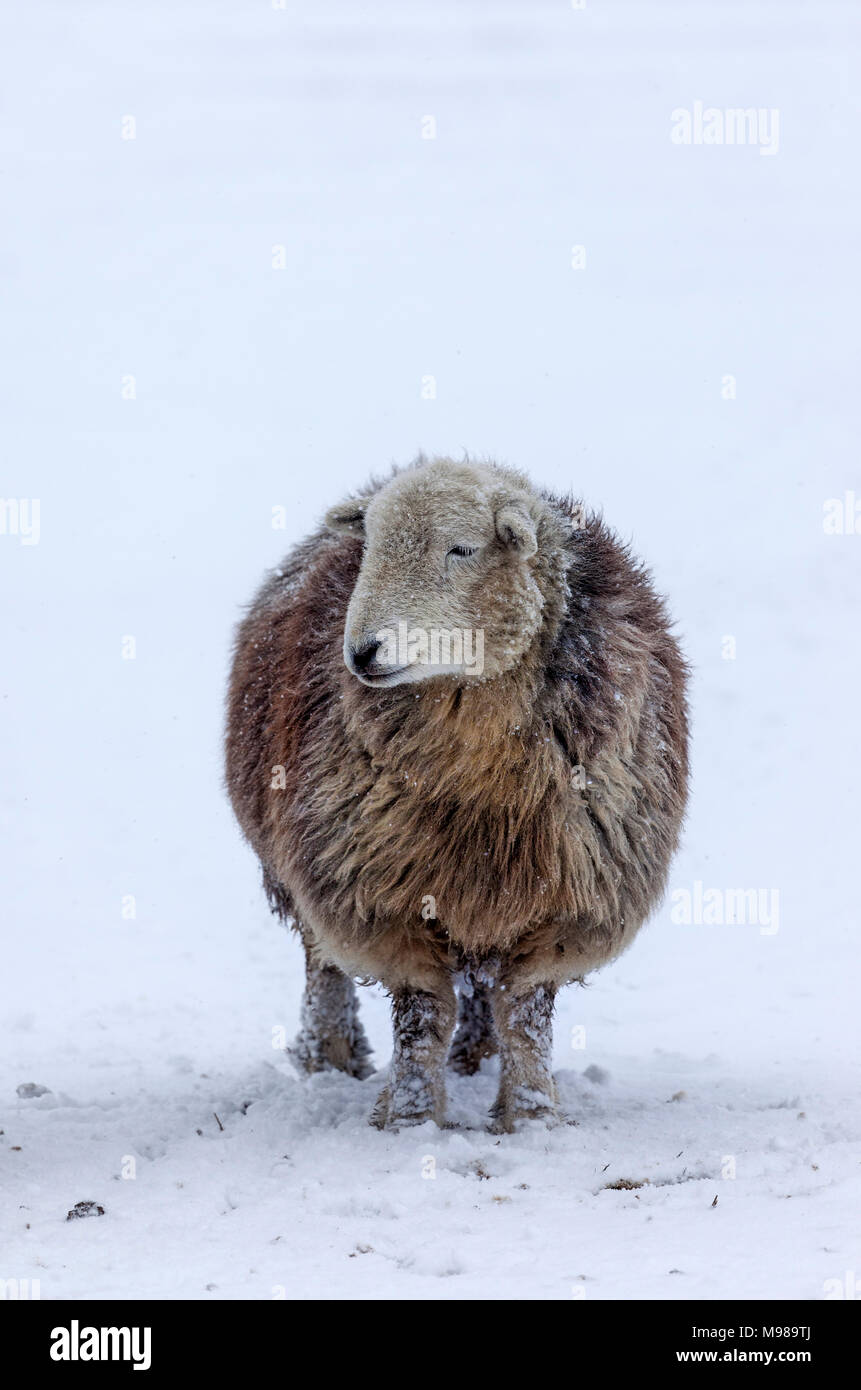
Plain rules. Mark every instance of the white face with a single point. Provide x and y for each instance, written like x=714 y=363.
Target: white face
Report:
x=445 y=587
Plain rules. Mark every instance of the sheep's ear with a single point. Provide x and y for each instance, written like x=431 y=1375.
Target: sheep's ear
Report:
x=516 y=529
x=347 y=516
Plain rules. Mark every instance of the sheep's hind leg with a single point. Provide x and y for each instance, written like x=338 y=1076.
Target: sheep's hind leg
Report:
x=423 y=1024
x=474 y=1037
x=524 y=1027
x=331 y=1036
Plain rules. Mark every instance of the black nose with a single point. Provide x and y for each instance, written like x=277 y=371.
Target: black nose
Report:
x=363 y=657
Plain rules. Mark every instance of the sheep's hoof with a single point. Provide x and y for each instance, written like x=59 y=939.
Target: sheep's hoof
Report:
x=509 y=1122
x=386 y=1116
x=333 y=1053
x=511 y=1110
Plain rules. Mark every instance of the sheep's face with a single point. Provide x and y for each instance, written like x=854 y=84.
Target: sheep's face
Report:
x=447 y=586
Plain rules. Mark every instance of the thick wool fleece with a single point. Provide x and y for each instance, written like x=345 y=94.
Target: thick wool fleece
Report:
x=519 y=826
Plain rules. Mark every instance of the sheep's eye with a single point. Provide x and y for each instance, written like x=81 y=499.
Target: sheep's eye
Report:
x=463 y=550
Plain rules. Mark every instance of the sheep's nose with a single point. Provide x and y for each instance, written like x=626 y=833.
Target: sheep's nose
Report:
x=363 y=656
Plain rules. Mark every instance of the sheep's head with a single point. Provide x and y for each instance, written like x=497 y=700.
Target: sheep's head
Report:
x=447 y=584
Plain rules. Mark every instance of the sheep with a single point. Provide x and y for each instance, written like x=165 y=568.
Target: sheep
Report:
x=472 y=823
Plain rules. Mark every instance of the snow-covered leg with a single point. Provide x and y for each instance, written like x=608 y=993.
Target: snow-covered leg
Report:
x=331 y=1036
x=474 y=1037
x=524 y=1028
x=423 y=1024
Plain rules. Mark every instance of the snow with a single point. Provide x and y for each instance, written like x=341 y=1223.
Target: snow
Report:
x=709 y=1049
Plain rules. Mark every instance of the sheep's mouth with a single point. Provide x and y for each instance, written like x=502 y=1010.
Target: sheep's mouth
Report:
x=380 y=678
x=413 y=672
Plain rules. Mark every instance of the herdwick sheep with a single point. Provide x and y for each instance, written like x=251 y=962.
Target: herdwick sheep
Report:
x=457 y=741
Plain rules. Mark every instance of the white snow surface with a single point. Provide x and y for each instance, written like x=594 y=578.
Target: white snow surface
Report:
x=709 y=1049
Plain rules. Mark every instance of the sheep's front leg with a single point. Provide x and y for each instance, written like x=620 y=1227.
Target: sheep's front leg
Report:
x=524 y=1029
x=331 y=1036
x=423 y=1022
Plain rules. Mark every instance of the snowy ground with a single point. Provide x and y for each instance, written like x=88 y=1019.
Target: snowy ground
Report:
x=709 y=1049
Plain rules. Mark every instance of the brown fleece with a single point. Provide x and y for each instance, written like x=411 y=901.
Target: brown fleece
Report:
x=364 y=804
